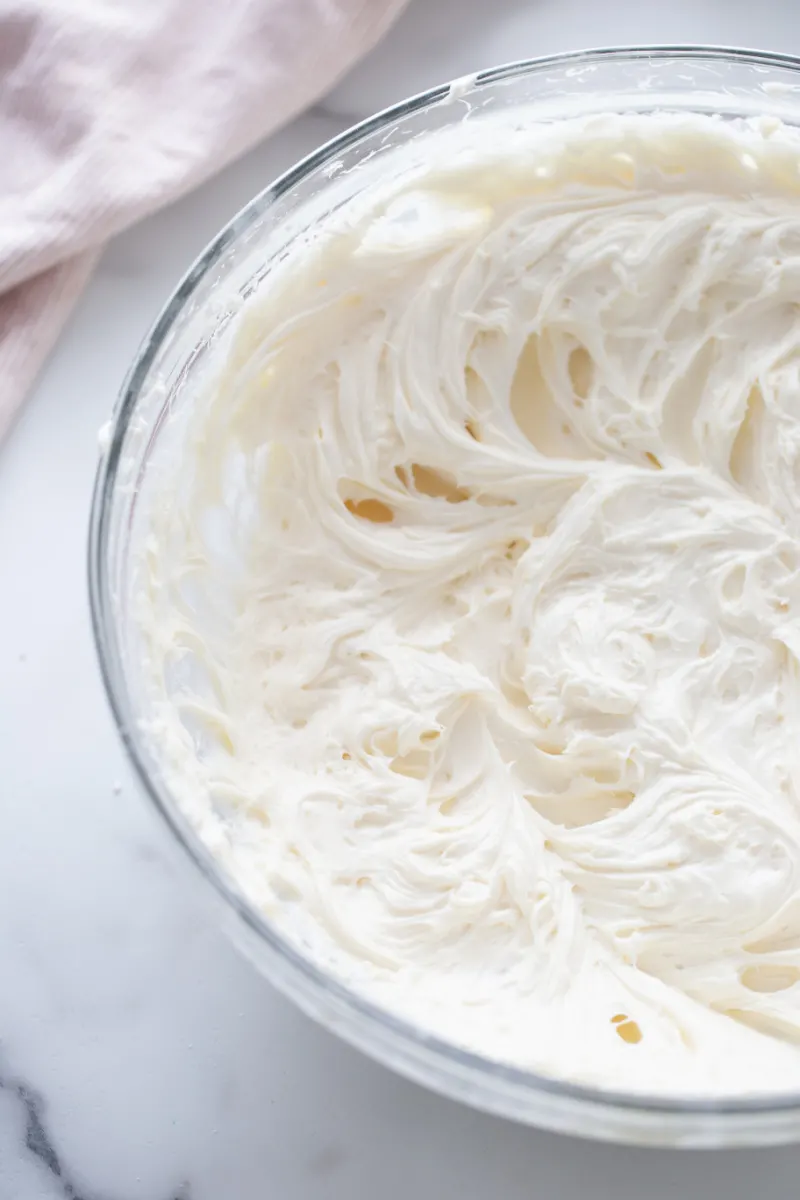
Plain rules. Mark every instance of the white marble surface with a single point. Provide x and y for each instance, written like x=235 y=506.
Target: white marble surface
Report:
x=140 y=1058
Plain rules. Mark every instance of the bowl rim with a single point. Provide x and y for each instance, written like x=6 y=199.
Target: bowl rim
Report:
x=407 y=1048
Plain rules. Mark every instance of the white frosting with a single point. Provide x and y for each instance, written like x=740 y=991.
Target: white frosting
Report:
x=473 y=603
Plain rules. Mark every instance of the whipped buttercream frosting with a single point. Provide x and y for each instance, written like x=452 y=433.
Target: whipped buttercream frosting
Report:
x=470 y=601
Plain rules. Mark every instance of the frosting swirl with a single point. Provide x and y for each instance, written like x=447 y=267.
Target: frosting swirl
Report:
x=473 y=609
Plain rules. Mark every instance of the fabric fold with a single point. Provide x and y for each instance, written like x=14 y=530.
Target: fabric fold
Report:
x=108 y=112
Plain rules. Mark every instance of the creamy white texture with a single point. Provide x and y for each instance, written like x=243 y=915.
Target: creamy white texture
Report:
x=474 y=605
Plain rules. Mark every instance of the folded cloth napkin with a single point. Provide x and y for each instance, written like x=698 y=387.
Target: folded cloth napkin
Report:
x=111 y=108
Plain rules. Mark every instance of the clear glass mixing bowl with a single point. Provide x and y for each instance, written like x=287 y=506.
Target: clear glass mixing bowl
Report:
x=184 y=345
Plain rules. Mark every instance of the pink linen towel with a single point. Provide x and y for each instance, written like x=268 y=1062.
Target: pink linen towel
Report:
x=111 y=108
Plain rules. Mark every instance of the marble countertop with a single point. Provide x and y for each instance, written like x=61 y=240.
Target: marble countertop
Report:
x=140 y=1057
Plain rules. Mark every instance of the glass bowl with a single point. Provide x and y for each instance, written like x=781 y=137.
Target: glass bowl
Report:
x=184 y=345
